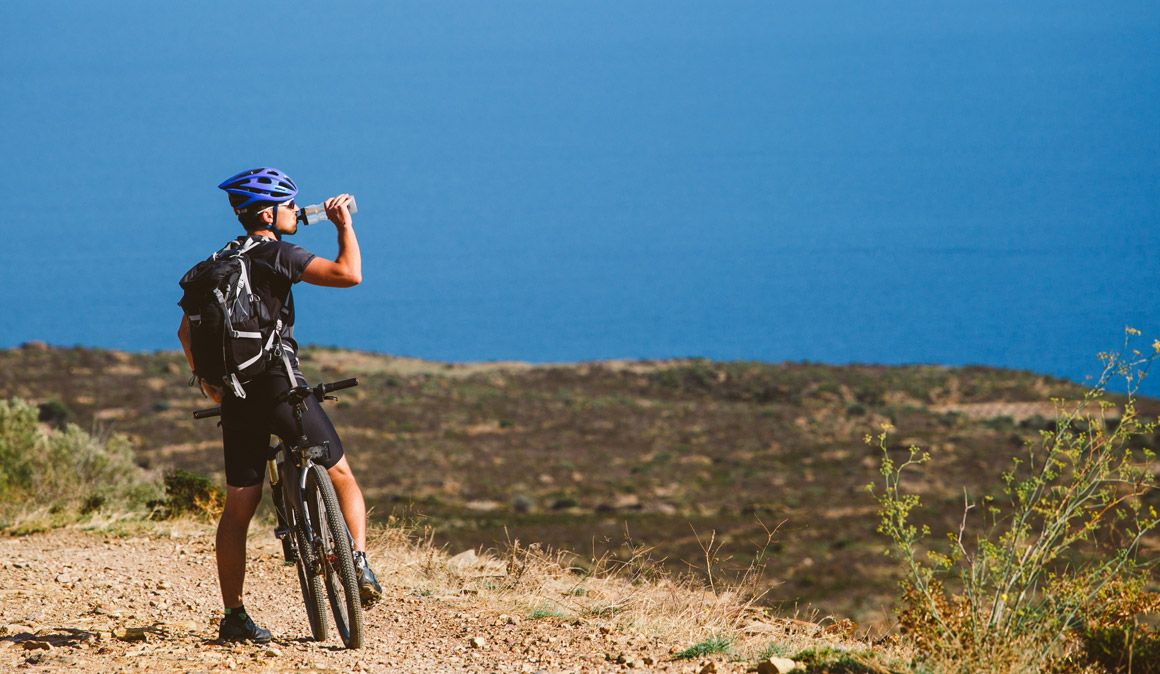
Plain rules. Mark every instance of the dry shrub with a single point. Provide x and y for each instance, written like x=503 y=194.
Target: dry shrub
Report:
x=1113 y=635
x=1054 y=581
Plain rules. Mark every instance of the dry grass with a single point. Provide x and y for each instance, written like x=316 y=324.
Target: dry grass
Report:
x=635 y=596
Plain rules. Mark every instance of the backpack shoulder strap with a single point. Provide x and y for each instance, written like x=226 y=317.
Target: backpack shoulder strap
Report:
x=236 y=247
x=282 y=350
x=250 y=244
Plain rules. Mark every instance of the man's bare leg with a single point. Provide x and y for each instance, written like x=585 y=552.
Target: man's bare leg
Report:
x=350 y=499
x=354 y=511
x=231 y=541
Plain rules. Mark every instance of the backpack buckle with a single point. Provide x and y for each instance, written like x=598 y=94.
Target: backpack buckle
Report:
x=239 y=392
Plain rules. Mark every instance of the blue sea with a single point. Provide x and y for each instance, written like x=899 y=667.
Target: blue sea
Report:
x=839 y=182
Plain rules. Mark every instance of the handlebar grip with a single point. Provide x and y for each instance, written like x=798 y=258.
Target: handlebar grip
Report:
x=336 y=385
x=205 y=414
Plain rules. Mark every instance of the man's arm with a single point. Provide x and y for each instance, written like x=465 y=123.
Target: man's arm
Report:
x=183 y=335
x=346 y=269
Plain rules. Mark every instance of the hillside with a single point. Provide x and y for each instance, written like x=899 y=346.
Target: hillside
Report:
x=675 y=454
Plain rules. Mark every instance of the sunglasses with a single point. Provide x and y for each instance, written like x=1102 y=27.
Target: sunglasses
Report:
x=285 y=204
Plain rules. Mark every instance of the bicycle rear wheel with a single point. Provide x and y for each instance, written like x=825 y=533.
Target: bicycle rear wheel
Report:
x=336 y=556
x=309 y=576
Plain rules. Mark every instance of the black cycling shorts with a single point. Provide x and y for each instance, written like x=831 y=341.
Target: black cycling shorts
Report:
x=247 y=424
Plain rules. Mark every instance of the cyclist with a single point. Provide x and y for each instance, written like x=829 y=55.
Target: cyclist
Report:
x=263 y=200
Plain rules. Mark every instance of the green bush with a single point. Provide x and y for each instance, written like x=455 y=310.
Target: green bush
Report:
x=542 y=612
x=189 y=493
x=710 y=646
x=55 y=413
x=64 y=468
x=19 y=441
x=1054 y=572
x=835 y=661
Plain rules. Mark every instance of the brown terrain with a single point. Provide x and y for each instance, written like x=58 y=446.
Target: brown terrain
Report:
x=144 y=599
x=691 y=464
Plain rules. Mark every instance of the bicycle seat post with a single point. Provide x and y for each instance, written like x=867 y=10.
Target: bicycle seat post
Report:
x=299 y=408
x=296 y=398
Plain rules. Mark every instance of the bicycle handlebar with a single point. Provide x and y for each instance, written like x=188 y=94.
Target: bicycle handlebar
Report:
x=320 y=391
x=323 y=389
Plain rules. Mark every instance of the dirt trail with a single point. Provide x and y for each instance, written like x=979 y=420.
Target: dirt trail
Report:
x=101 y=602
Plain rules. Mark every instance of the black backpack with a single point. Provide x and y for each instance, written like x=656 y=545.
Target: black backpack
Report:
x=235 y=334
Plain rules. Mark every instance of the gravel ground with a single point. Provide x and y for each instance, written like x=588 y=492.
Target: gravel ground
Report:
x=85 y=601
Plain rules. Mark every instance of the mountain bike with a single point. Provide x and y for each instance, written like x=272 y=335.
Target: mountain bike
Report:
x=314 y=534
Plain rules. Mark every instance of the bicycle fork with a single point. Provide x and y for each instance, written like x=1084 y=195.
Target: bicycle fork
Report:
x=279 y=496
x=295 y=491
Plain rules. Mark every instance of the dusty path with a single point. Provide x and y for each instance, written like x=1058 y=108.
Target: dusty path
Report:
x=102 y=602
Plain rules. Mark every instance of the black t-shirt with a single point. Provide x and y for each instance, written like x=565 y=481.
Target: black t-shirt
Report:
x=276 y=266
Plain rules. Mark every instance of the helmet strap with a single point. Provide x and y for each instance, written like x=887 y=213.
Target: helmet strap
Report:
x=274 y=224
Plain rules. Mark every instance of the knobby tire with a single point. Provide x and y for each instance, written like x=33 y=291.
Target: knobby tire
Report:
x=337 y=557
x=308 y=582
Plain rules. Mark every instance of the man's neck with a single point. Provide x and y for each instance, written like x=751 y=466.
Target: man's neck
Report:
x=264 y=233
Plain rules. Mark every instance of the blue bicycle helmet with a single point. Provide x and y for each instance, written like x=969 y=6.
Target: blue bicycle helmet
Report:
x=260 y=187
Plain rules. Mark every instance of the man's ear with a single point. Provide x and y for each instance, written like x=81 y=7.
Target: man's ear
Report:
x=267 y=216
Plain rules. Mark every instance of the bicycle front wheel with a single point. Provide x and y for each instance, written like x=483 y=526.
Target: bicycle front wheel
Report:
x=310 y=583
x=336 y=556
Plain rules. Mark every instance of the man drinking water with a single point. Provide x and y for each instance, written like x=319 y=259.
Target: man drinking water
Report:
x=263 y=201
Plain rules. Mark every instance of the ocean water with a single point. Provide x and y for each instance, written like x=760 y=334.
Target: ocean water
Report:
x=962 y=183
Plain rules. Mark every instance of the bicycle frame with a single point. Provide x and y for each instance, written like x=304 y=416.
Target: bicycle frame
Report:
x=292 y=490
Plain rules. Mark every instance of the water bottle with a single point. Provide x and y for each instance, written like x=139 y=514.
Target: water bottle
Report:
x=308 y=215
